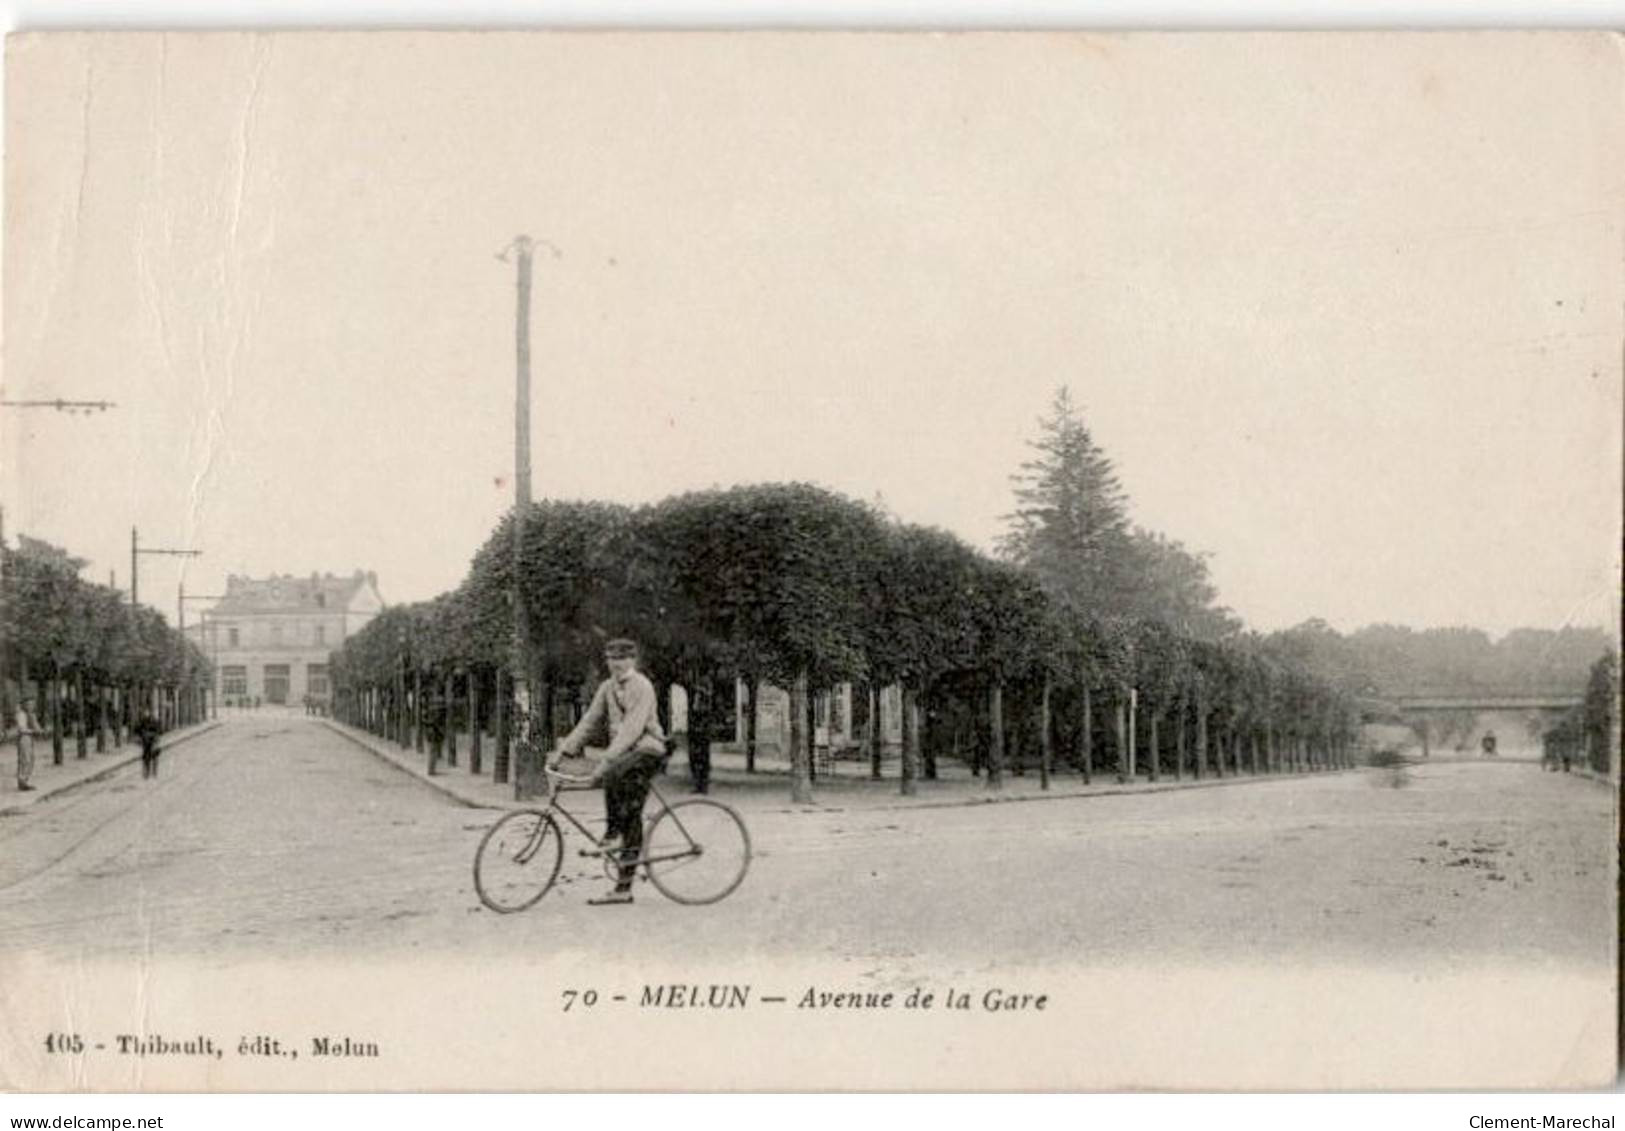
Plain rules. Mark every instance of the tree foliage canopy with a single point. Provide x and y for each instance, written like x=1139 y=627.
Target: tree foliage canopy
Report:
x=54 y=621
x=777 y=580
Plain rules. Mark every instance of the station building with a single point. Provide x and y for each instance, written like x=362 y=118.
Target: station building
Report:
x=270 y=638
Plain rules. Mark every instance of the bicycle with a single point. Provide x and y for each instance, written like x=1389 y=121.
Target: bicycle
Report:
x=695 y=851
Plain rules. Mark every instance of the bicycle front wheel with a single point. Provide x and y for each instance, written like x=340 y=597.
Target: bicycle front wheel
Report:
x=697 y=851
x=518 y=860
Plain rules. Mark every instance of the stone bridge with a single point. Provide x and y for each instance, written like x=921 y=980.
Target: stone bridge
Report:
x=1454 y=723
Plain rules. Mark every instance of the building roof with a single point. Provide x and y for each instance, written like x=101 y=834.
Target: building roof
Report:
x=285 y=593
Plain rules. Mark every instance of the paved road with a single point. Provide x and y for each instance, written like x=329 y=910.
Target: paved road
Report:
x=273 y=837
x=270 y=834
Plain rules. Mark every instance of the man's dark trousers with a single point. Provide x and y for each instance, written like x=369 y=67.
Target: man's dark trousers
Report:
x=149 y=758
x=626 y=788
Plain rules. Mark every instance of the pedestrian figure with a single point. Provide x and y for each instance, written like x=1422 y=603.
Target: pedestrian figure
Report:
x=147 y=731
x=1488 y=744
x=434 y=731
x=699 y=739
x=28 y=729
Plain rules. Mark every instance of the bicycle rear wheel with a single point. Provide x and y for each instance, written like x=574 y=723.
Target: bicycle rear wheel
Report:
x=518 y=860
x=697 y=851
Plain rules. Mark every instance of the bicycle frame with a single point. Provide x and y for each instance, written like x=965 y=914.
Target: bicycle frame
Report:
x=565 y=783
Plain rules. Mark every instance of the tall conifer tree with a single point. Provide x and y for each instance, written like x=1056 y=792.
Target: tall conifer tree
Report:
x=1070 y=525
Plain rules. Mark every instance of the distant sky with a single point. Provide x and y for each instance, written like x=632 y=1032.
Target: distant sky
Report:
x=1345 y=311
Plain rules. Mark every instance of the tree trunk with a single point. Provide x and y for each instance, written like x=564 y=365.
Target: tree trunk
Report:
x=995 y=753
x=101 y=717
x=811 y=723
x=922 y=745
x=1153 y=757
x=475 y=762
x=930 y=733
x=1046 y=749
x=872 y=726
x=911 y=744
x=80 y=710
x=432 y=728
x=800 y=743
x=1086 y=737
x=503 y=756
x=1181 y=721
x=1015 y=740
x=448 y=709
x=1120 y=727
x=56 y=717
x=1201 y=727
x=549 y=723
x=1132 y=707
x=752 y=690
x=418 y=713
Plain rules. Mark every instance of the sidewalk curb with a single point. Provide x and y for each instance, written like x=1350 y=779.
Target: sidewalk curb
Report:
x=451 y=791
x=1118 y=791
x=434 y=783
x=119 y=764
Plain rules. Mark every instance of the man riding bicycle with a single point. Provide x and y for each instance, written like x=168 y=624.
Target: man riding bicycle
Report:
x=625 y=706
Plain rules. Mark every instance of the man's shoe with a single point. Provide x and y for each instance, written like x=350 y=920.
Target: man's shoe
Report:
x=25 y=789
x=616 y=896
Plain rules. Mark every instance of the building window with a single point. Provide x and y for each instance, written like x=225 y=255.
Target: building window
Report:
x=321 y=634
x=276 y=635
x=233 y=677
x=231 y=638
x=316 y=680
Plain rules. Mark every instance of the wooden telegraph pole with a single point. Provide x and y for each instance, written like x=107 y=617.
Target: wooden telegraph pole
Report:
x=527 y=774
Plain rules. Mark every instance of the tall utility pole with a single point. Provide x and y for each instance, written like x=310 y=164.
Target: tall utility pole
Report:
x=135 y=557
x=203 y=636
x=525 y=774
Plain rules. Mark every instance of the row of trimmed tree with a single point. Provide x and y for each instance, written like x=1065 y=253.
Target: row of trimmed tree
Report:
x=90 y=660
x=792 y=585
